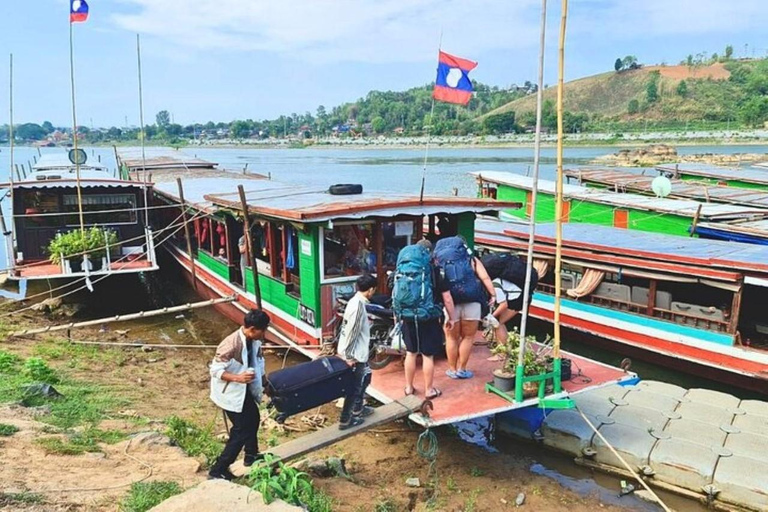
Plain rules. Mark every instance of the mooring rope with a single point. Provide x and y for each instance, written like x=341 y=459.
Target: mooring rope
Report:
x=427 y=448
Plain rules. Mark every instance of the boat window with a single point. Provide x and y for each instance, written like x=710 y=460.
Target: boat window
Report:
x=101 y=209
x=36 y=205
x=396 y=235
x=348 y=250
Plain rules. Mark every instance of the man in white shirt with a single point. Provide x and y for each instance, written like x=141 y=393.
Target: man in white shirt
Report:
x=237 y=384
x=355 y=348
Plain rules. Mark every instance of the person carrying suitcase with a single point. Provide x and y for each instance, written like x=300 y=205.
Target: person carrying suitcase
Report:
x=418 y=295
x=355 y=349
x=237 y=374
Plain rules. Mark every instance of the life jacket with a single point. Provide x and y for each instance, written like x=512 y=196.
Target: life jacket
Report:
x=455 y=260
x=413 y=290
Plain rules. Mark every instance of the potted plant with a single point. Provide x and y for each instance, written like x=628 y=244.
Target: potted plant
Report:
x=533 y=364
x=75 y=247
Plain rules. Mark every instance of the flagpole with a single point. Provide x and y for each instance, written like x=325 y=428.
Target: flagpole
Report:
x=520 y=370
x=74 y=127
x=12 y=252
x=141 y=120
x=429 y=129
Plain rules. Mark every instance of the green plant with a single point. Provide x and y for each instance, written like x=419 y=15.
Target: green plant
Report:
x=94 y=241
x=193 y=440
x=38 y=370
x=451 y=484
x=475 y=471
x=146 y=495
x=8 y=362
x=386 y=505
x=7 y=430
x=77 y=443
x=20 y=498
x=274 y=480
x=470 y=503
x=533 y=362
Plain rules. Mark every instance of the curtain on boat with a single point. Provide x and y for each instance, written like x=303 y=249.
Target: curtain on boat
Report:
x=589 y=282
x=541 y=266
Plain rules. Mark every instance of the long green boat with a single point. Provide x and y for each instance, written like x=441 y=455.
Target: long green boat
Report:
x=594 y=206
x=733 y=177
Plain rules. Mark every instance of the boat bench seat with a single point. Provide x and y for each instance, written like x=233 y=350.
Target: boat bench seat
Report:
x=614 y=291
x=640 y=296
x=131 y=250
x=567 y=281
x=710 y=313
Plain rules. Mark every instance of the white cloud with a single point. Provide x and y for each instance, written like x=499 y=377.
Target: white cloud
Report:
x=338 y=30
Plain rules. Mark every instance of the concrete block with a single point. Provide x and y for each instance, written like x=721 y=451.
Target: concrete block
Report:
x=644 y=398
x=743 y=481
x=685 y=464
x=711 y=414
x=608 y=392
x=747 y=444
x=633 y=444
x=715 y=398
x=567 y=432
x=640 y=417
x=697 y=432
x=750 y=423
x=594 y=404
x=662 y=388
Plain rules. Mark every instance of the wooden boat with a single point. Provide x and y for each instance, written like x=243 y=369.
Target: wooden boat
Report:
x=45 y=204
x=594 y=206
x=755 y=178
x=694 y=305
x=638 y=182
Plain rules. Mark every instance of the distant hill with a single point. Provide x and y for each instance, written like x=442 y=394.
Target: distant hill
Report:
x=709 y=92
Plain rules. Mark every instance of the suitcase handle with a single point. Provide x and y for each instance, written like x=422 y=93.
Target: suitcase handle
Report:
x=327 y=364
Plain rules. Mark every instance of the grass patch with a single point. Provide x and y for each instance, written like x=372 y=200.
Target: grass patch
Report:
x=36 y=369
x=8 y=430
x=274 y=480
x=78 y=443
x=145 y=495
x=20 y=498
x=195 y=441
x=386 y=506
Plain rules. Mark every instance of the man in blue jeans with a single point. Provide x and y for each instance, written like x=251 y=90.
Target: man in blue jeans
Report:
x=355 y=348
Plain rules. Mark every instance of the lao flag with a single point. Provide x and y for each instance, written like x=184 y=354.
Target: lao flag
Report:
x=78 y=11
x=452 y=84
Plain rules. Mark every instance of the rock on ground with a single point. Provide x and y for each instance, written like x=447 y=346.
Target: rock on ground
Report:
x=218 y=495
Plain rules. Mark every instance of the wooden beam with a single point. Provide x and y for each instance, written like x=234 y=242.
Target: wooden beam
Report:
x=733 y=325
x=249 y=244
x=187 y=236
x=330 y=435
x=378 y=249
x=695 y=221
x=652 y=297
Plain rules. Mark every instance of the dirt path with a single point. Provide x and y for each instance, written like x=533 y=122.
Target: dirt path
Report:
x=155 y=385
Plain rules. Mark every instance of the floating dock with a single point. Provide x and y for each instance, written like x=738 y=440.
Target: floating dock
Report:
x=700 y=443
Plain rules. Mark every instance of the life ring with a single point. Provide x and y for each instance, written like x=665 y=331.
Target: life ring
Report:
x=346 y=189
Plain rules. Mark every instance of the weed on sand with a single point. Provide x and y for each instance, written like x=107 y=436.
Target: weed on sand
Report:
x=77 y=443
x=7 y=430
x=145 y=495
x=194 y=440
x=10 y=499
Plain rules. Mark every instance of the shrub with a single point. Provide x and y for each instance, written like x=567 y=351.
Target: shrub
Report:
x=146 y=495
x=7 y=430
x=93 y=240
x=194 y=440
x=274 y=480
x=38 y=370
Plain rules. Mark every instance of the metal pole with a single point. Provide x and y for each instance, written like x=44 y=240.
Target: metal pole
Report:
x=122 y=318
x=141 y=120
x=429 y=130
x=559 y=203
x=12 y=262
x=186 y=233
x=74 y=127
x=520 y=369
x=249 y=245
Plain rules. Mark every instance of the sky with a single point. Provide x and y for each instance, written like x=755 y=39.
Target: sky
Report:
x=236 y=59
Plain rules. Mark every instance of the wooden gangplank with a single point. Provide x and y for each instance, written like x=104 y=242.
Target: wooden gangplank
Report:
x=329 y=435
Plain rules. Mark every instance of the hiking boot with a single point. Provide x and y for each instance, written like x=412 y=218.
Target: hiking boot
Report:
x=353 y=422
x=220 y=474
x=366 y=411
x=249 y=460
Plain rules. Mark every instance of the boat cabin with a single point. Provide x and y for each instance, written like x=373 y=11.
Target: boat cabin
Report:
x=310 y=245
x=46 y=206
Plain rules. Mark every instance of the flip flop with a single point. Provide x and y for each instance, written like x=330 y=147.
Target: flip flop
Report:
x=452 y=374
x=405 y=390
x=434 y=395
x=465 y=374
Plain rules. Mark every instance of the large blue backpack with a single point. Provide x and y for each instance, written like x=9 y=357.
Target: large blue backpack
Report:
x=455 y=260
x=413 y=292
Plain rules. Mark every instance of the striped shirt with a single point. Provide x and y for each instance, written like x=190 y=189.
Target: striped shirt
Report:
x=355 y=337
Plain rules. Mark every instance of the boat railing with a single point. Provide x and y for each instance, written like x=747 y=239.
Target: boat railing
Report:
x=642 y=309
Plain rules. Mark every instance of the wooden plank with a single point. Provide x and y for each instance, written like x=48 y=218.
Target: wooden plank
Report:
x=330 y=435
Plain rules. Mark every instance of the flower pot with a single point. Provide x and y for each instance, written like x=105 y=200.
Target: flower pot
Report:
x=565 y=368
x=504 y=381
x=75 y=264
x=96 y=263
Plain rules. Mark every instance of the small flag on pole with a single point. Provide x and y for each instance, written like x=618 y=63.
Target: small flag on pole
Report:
x=452 y=84
x=78 y=11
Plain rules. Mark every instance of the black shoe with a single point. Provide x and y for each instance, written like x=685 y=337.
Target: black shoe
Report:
x=220 y=474
x=366 y=411
x=249 y=460
x=353 y=422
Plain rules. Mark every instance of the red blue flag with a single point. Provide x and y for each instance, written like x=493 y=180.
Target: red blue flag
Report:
x=78 y=11
x=453 y=84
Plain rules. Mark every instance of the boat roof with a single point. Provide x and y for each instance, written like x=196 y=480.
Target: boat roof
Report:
x=197 y=186
x=159 y=159
x=627 y=180
x=60 y=161
x=681 y=207
x=54 y=170
x=753 y=175
x=269 y=198
x=646 y=246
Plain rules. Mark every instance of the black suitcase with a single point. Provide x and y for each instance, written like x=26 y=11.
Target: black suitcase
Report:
x=307 y=385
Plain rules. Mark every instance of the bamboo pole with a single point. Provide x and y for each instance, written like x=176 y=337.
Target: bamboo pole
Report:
x=186 y=234
x=123 y=318
x=559 y=190
x=520 y=369
x=249 y=245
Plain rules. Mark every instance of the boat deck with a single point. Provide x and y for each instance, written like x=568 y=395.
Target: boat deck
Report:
x=50 y=271
x=464 y=400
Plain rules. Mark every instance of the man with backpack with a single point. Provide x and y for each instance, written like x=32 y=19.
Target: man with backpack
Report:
x=507 y=272
x=416 y=293
x=468 y=283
